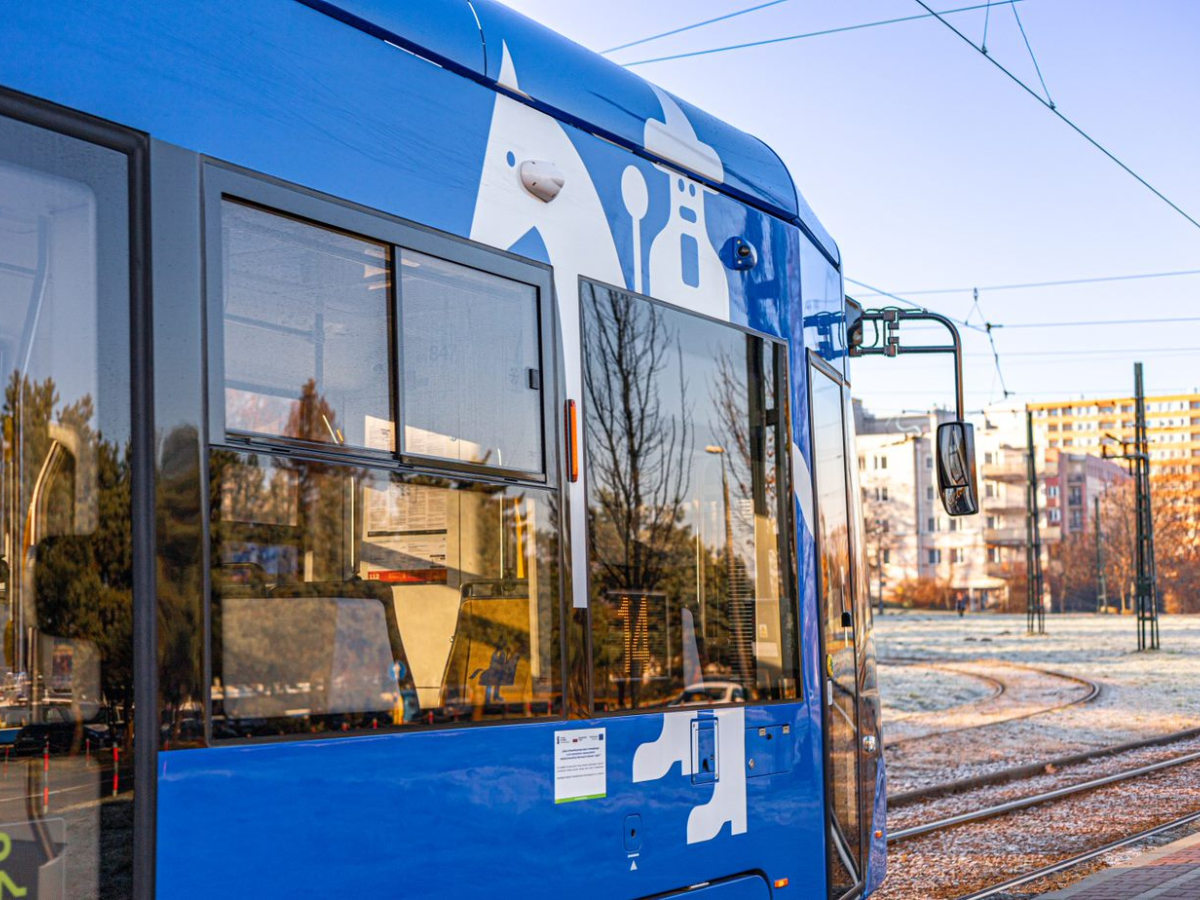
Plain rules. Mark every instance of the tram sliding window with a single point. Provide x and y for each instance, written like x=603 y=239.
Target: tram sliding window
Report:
x=686 y=484
x=306 y=331
x=348 y=591
x=349 y=598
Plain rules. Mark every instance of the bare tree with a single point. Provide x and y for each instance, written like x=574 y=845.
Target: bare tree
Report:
x=639 y=452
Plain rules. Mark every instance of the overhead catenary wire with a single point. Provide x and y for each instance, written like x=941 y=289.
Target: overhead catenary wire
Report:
x=694 y=25
x=910 y=304
x=1060 y=283
x=987 y=16
x=808 y=34
x=1101 y=322
x=1050 y=106
x=986 y=328
x=1029 y=47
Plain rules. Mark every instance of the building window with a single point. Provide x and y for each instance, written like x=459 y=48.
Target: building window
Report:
x=887 y=557
x=989 y=489
x=954 y=524
x=932 y=525
x=929 y=462
x=929 y=493
x=935 y=557
x=993 y=554
x=883 y=462
x=958 y=555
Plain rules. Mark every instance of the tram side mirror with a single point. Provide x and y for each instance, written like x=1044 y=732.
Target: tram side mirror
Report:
x=956 y=468
x=854 y=326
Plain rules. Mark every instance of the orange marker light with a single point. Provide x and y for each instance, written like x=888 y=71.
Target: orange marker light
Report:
x=572 y=442
x=781 y=883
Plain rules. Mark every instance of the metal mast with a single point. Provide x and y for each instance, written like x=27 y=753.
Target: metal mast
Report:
x=1102 y=591
x=1147 y=576
x=1035 y=615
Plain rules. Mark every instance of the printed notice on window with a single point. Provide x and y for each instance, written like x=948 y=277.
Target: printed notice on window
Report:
x=580 y=765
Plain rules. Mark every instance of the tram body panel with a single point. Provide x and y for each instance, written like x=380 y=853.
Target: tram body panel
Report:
x=247 y=84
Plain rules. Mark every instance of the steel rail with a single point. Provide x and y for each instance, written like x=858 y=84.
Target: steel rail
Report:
x=1092 y=693
x=1031 y=770
x=1001 y=809
x=1072 y=861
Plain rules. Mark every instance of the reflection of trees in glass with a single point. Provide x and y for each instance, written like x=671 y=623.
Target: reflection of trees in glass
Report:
x=179 y=535
x=639 y=453
x=70 y=512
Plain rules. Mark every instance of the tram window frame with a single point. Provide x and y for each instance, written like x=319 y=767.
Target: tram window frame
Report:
x=789 y=578
x=222 y=183
x=60 y=122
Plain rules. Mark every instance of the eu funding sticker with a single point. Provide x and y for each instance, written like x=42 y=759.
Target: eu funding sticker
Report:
x=580 y=765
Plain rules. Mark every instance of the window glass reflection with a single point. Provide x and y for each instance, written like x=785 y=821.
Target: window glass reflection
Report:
x=472 y=376
x=821 y=288
x=347 y=598
x=686 y=554
x=66 y=549
x=838 y=614
x=306 y=331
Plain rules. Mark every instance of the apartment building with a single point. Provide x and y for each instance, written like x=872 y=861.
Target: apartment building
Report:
x=1172 y=430
x=909 y=536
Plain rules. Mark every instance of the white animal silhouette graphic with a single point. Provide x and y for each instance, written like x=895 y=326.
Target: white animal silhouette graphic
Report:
x=654 y=760
x=684 y=267
x=573 y=227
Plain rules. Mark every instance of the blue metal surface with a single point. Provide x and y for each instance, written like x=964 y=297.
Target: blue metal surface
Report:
x=454 y=812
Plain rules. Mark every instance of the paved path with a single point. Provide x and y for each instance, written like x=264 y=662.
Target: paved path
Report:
x=1169 y=873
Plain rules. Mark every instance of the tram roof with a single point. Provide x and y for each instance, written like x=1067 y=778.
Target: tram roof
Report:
x=577 y=86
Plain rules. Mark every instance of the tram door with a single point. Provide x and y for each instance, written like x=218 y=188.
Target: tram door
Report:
x=836 y=602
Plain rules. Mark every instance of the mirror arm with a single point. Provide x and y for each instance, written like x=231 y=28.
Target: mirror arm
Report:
x=891 y=317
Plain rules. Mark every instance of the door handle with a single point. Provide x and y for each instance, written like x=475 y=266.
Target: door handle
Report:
x=870 y=743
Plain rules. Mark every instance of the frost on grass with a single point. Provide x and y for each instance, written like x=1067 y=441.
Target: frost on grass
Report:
x=1143 y=693
x=909 y=689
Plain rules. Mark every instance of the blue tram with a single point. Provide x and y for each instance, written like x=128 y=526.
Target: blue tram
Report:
x=425 y=471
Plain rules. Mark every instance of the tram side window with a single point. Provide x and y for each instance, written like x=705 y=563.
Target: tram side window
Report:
x=305 y=331
x=688 y=556
x=472 y=378
x=349 y=598
x=66 y=512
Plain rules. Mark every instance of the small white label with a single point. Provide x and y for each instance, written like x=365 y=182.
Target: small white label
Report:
x=580 y=765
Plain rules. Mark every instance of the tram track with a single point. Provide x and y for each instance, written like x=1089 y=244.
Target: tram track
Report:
x=1079 y=858
x=1027 y=771
x=1054 y=828
x=1001 y=809
x=1092 y=691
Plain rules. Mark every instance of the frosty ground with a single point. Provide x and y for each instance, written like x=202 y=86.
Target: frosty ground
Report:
x=1142 y=693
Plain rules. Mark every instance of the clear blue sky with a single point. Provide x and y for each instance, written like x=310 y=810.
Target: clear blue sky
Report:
x=933 y=170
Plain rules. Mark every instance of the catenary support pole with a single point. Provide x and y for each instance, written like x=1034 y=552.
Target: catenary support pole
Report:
x=1035 y=614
